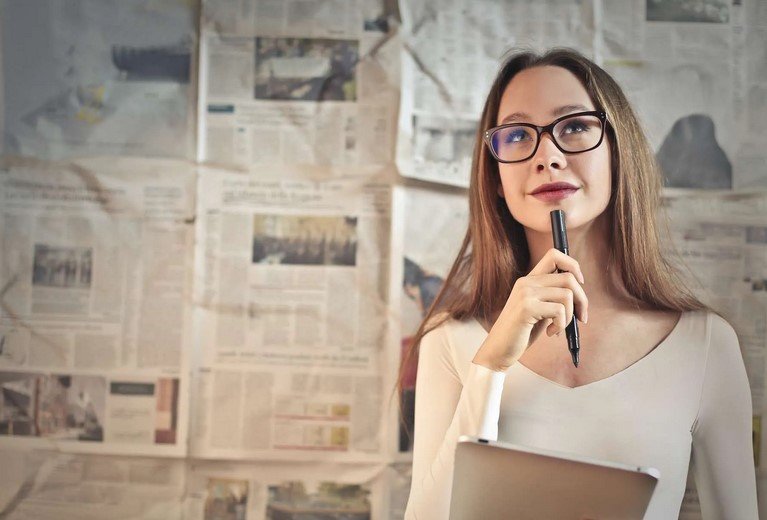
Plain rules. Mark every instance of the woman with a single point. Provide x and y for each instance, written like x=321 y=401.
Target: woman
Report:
x=661 y=377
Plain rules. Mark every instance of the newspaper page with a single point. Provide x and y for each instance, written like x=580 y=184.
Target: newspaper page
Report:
x=97 y=77
x=696 y=74
x=428 y=228
x=718 y=239
x=47 y=485
x=95 y=273
x=273 y=491
x=751 y=157
x=450 y=55
x=399 y=477
x=298 y=82
x=290 y=303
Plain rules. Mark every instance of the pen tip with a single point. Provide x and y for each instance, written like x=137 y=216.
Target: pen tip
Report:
x=575 y=359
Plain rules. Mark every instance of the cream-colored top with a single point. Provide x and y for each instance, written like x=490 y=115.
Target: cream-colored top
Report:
x=688 y=396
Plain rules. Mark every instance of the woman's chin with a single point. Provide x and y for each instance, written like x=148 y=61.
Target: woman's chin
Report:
x=574 y=222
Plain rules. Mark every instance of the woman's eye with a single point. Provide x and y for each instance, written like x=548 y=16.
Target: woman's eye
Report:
x=516 y=136
x=574 y=127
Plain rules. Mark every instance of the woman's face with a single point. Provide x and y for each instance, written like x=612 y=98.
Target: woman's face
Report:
x=544 y=94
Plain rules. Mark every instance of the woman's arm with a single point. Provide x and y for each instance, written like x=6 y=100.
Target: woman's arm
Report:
x=451 y=402
x=723 y=460
x=446 y=408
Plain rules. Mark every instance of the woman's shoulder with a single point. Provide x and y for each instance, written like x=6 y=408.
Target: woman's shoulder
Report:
x=721 y=333
x=457 y=338
x=724 y=363
x=445 y=325
x=708 y=334
x=436 y=321
x=712 y=324
x=694 y=321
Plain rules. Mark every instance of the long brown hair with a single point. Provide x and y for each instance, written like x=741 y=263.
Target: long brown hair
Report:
x=494 y=252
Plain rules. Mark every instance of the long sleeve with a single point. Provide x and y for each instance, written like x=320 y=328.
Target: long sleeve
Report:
x=723 y=461
x=446 y=407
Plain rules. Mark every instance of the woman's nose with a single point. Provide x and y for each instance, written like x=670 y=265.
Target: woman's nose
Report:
x=548 y=156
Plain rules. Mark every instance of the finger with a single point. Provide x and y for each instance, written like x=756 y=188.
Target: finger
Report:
x=557 y=313
x=560 y=295
x=568 y=281
x=555 y=303
x=580 y=299
x=555 y=259
x=551 y=315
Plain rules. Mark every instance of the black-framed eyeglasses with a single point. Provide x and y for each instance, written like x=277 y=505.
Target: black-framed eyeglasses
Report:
x=573 y=133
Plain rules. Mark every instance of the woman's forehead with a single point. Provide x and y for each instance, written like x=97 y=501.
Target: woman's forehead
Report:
x=540 y=94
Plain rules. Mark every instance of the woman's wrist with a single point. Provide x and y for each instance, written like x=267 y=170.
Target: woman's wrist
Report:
x=490 y=362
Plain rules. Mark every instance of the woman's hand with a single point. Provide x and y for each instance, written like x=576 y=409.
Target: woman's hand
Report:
x=542 y=300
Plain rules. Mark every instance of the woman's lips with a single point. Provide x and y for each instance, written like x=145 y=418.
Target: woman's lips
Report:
x=554 y=195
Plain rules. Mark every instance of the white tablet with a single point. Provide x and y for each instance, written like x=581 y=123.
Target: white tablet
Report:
x=496 y=480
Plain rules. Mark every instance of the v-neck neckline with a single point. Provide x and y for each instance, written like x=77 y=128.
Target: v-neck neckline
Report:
x=640 y=361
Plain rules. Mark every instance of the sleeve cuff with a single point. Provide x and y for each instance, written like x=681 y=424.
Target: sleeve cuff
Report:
x=486 y=389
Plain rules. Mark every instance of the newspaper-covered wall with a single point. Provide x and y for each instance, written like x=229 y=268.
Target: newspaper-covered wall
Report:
x=399 y=490
x=297 y=82
x=97 y=77
x=696 y=74
x=290 y=301
x=314 y=263
x=429 y=225
x=94 y=309
x=450 y=53
x=272 y=491
x=48 y=485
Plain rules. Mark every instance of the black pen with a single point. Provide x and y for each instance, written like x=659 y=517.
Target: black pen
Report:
x=559 y=232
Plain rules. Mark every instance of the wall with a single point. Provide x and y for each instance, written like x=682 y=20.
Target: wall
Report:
x=222 y=223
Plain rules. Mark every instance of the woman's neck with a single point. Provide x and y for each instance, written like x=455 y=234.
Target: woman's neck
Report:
x=590 y=246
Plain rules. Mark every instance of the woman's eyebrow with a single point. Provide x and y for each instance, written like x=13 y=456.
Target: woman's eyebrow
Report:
x=521 y=116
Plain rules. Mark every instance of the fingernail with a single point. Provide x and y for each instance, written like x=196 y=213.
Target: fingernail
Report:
x=585 y=317
x=558 y=333
x=583 y=281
